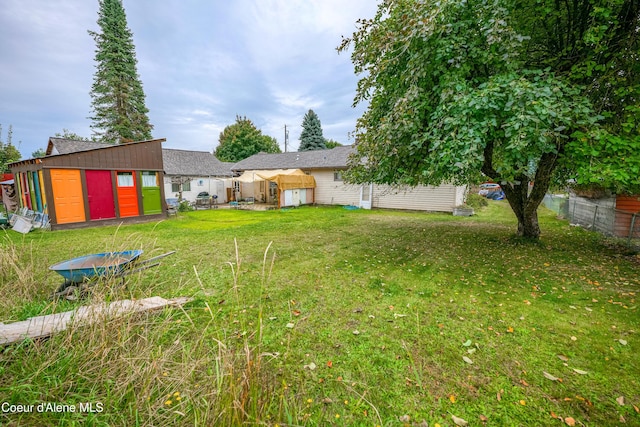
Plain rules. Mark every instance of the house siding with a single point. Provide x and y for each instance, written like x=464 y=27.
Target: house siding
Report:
x=211 y=185
x=330 y=192
x=423 y=198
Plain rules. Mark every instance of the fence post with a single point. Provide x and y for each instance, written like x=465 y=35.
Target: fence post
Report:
x=631 y=227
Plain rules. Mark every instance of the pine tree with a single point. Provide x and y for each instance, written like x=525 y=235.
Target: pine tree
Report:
x=118 y=101
x=311 y=137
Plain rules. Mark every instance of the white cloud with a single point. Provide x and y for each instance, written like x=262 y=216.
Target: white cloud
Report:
x=201 y=63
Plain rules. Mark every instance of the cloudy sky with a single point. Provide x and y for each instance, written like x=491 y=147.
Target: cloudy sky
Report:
x=201 y=62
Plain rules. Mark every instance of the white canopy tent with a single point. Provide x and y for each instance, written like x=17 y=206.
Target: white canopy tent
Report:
x=292 y=186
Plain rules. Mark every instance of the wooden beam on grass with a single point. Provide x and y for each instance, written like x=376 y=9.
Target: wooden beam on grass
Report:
x=44 y=326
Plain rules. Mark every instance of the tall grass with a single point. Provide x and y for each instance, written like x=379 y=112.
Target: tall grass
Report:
x=177 y=367
x=330 y=317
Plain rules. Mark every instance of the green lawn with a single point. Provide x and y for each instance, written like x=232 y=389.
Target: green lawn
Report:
x=324 y=316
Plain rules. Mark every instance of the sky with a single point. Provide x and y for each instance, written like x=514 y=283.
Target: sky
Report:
x=201 y=63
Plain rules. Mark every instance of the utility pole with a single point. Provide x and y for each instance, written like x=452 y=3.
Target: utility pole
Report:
x=286 y=138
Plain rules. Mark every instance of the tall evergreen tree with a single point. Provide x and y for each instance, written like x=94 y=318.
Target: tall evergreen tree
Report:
x=118 y=101
x=311 y=137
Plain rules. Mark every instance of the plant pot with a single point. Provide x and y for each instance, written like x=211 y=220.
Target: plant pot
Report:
x=463 y=211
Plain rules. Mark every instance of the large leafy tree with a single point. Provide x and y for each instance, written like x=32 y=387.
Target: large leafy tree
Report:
x=311 y=136
x=511 y=90
x=8 y=152
x=242 y=139
x=331 y=143
x=118 y=101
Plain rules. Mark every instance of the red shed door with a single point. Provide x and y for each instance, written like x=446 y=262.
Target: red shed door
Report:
x=100 y=194
x=127 y=194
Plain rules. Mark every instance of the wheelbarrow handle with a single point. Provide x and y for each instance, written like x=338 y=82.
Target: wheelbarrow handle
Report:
x=147 y=261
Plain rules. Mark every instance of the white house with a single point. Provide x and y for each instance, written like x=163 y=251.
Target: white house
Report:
x=326 y=167
x=194 y=172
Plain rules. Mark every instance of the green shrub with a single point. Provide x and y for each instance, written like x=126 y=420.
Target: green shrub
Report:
x=185 y=206
x=477 y=201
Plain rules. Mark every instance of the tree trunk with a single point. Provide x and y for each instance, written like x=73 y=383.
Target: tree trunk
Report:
x=523 y=199
x=524 y=207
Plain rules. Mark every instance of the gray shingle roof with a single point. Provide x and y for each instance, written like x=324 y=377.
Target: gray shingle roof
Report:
x=67 y=146
x=193 y=163
x=335 y=158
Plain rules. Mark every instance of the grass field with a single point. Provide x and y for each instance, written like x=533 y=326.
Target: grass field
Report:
x=323 y=316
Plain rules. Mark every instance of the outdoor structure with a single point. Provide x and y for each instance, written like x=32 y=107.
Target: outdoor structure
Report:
x=327 y=166
x=188 y=173
x=280 y=187
x=615 y=215
x=88 y=183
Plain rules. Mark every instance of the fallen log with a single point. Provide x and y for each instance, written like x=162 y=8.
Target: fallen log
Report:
x=44 y=326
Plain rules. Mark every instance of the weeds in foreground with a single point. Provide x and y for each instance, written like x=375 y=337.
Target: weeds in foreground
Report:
x=362 y=318
x=178 y=367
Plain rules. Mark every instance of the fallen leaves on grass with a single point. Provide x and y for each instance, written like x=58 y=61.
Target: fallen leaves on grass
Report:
x=570 y=421
x=620 y=400
x=467 y=360
x=623 y=342
x=459 y=421
x=563 y=358
x=549 y=376
x=580 y=371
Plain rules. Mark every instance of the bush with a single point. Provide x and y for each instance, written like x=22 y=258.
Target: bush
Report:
x=185 y=206
x=476 y=201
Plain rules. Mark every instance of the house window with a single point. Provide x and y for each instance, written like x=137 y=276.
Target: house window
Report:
x=150 y=179
x=125 y=179
x=186 y=186
x=337 y=176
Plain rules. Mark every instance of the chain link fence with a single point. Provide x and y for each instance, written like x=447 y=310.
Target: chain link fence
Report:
x=598 y=215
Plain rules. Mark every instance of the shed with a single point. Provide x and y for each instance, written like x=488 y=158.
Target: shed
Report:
x=95 y=184
x=614 y=215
